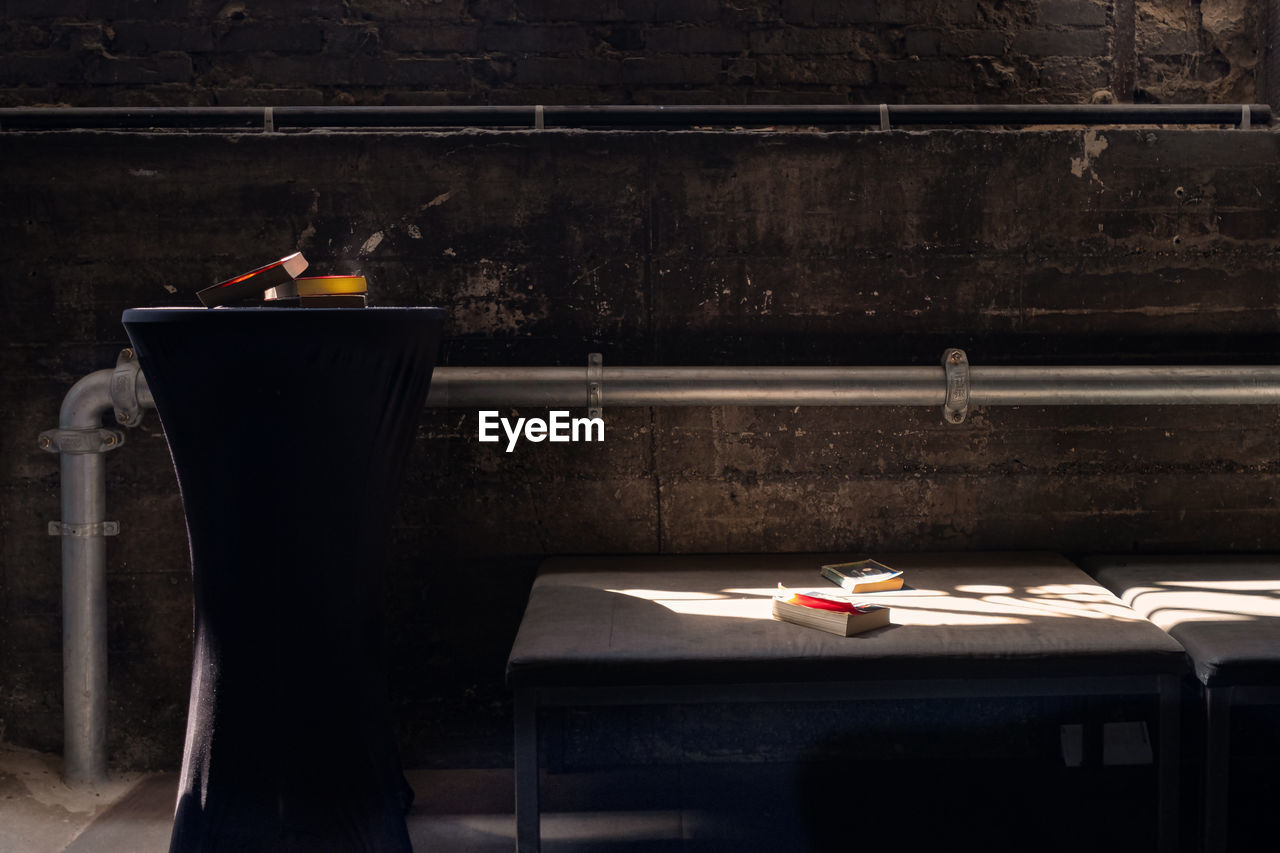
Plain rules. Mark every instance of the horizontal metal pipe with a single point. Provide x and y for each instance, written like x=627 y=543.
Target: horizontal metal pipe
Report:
x=463 y=387
x=475 y=387
x=78 y=118
x=623 y=116
x=1077 y=113
x=904 y=114
x=1105 y=386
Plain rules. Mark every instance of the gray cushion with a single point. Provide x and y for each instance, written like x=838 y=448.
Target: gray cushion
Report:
x=1224 y=609
x=687 y=619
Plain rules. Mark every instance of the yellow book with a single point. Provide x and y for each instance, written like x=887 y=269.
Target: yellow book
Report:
x=320 y=285
x=330 y=285
x=863 y=576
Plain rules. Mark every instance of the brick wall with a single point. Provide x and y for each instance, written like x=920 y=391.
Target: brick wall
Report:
x=240 y=52
x=686 y=248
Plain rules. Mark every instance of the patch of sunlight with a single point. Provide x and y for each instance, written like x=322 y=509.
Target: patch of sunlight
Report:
x=1167 y=619
x=980 y=604
x=705 y=603
x=1067 y=590
x=663 y=594
x=922 y=607
x=1169 y=608
x=1229 y=586
x=1094 y=607
x=919 y=616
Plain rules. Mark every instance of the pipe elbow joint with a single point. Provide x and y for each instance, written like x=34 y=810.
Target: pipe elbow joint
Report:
x=129 y=389
x=87 y=401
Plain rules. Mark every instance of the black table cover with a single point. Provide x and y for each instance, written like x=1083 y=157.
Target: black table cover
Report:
x=288 y=429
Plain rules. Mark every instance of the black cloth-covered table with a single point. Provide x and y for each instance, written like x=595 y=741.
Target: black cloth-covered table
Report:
x=289 y=429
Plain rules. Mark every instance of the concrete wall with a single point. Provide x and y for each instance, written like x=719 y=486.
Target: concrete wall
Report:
x=235 y=52
x=1072 y=246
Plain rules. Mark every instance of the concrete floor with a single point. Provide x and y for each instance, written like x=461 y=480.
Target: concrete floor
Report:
x=460 y=811
x=38 y=811
x=469 y=811
x=655 y=809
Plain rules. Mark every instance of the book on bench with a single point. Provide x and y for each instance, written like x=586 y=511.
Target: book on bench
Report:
x=835 y=612
x=863 y=576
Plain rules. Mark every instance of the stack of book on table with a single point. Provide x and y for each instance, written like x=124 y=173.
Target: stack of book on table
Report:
x=845 y=611
x=281 y=285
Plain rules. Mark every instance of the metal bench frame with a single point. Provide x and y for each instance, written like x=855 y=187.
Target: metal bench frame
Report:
x=1163 y=689
x=1218 y=702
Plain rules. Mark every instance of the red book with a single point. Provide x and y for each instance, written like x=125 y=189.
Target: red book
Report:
x=252 y=286
x=835 y=612
x=839 y=602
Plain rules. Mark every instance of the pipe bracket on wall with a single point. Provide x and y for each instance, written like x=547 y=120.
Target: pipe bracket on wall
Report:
x=84 y=531
x=595 y=385
x=956 y=365
x=80 y=440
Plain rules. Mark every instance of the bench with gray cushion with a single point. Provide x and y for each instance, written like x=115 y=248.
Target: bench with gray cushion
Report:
x=1226 y=611
x=657 y=629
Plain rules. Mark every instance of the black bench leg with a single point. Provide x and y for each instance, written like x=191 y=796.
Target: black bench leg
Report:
x=1217 y=767
x=528 y=819
x=1167 y=764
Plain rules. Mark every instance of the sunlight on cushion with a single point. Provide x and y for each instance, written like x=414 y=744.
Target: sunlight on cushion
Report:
x=1169 y=608
x=915 y=616
x=734 y=608
x=925 y=607
x=984 y=589
x=1068 y=590
x=664 y=594
x=1095 y=607
x=705 y=603
x=972 y=604
x=1228 y=586
x=945 y=608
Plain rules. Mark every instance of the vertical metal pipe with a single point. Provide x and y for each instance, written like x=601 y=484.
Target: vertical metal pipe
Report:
x=84 y=620
x=84 y=587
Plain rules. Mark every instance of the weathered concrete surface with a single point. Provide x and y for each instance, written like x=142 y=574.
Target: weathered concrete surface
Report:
x=1071 y=246
x=175 y=52
x=1209 y=51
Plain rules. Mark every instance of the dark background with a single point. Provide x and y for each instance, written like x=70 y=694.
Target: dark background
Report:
x=236 y=52
x=1150 y=245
